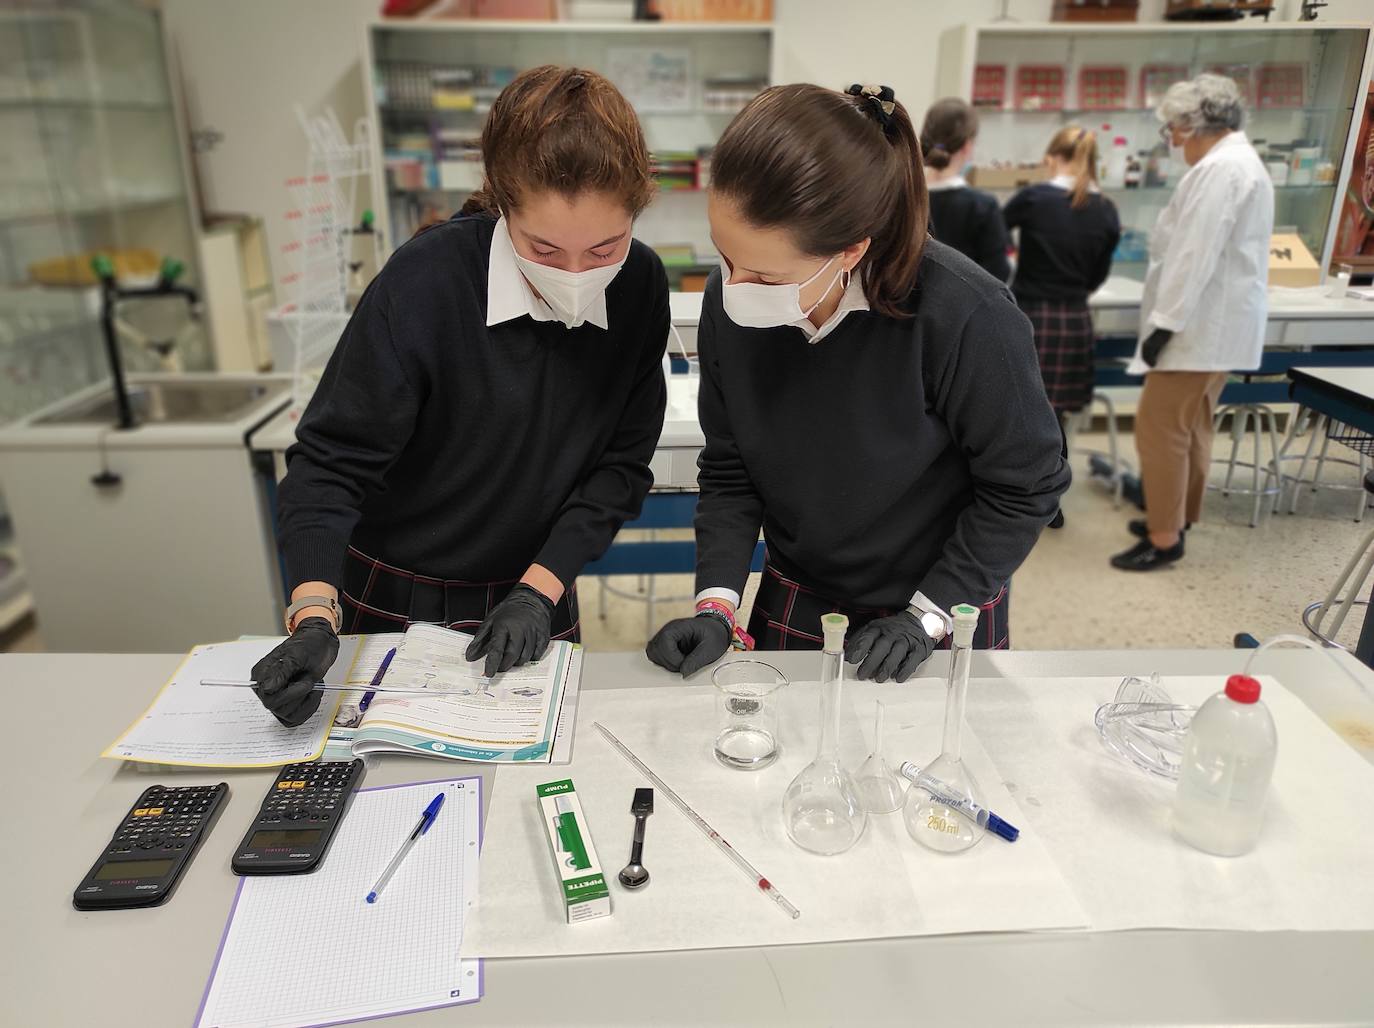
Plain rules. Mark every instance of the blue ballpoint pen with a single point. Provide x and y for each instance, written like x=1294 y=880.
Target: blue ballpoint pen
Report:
x=426 y=819
x=376 y=680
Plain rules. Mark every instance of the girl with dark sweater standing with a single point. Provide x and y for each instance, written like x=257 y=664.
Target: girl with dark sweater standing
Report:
x=1068 y=231
x=486 y=423
x=869 y=398
x=960 y=216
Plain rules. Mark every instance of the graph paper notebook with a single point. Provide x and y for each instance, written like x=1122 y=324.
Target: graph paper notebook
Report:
x=308 y=950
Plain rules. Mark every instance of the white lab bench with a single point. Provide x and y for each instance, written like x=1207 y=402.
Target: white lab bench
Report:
x=149 y=967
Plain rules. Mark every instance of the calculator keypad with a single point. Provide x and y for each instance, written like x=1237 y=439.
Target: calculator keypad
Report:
x=165 y=819
x=308 y=793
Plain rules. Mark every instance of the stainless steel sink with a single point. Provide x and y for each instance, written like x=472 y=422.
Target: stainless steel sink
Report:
x=191 y=402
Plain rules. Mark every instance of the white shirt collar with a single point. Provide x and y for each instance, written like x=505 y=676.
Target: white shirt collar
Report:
x=957 y=182
x=852 y=300
x=1067 y=182
x=1233 y=138
x=509 y=295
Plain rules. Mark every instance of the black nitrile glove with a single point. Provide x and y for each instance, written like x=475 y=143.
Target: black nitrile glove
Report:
x=689 y=644
x=286 y=677
x=1154 y=345
x=892 y=647
x=515 y=632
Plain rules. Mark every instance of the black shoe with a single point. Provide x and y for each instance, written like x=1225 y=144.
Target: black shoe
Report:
x=1144 y=557
x=1058 y=520
x=1141 y=530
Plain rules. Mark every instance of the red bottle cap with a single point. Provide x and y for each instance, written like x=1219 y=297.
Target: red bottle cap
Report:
x=1242 y=689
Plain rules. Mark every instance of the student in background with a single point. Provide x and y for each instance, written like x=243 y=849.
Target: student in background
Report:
x=869 y=398
x=1068 y=231
x=961 y=216
x=485 y=425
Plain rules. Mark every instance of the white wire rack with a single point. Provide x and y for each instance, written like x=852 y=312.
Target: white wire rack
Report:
x=315 y=260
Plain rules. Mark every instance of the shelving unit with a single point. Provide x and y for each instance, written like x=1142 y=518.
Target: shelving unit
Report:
x=1327 y=65
x=426 y=125
x=92 y=161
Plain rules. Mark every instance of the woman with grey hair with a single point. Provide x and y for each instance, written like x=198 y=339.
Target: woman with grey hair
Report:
x=1204 y=308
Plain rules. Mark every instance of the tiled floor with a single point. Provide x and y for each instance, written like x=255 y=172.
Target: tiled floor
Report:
x=1234 y=578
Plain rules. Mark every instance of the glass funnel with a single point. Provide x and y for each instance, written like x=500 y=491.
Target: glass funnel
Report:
x=821 y=808
x=880 y=788
x=940 y=819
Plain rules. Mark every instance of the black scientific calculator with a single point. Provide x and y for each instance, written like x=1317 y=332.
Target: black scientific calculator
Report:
x=299 y=818
x=151 y=847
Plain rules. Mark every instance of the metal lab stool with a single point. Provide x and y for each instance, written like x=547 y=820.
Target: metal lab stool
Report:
x=1116 y=468
x=1265 y=422
x=1321 y=425
x=1346 y=587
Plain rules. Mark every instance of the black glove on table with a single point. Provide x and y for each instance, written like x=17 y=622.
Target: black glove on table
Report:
x=1154 y=345
x=689 y=644
x=286 y=677
x=515 y=632
x=891 y=647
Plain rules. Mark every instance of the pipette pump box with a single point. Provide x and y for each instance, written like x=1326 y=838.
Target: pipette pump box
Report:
x=585 y=894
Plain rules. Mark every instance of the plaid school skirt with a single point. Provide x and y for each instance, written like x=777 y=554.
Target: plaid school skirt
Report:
x=787 y=616
x=1064 y=340
x=380 y=598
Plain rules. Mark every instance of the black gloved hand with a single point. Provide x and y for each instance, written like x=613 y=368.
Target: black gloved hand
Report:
x=286 y=677
x=515 y=632
x=1154 y=344
x=689 y=644
x=890 y=647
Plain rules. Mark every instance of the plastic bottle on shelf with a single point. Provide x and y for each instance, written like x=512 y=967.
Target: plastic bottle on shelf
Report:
x=1114 y=168
x=1228 y=761
x=1135 y=169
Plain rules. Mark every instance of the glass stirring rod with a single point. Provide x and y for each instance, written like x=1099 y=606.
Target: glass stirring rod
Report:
x=764 y=885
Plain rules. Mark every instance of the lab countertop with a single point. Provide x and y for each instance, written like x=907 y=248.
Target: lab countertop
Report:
x=149 y=967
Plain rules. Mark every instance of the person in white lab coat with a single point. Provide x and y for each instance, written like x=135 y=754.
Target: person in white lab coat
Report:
x=1204 y=308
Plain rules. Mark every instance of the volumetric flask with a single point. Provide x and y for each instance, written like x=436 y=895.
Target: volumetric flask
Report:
x=747 y=713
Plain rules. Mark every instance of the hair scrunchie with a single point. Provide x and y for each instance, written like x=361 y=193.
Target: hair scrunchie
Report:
x=881 y=101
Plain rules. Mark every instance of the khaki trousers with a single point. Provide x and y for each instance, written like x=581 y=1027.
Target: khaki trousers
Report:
x=1173 y=435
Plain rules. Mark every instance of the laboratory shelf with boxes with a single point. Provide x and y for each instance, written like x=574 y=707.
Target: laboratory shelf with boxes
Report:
x=433 y=83
x=1300 y=84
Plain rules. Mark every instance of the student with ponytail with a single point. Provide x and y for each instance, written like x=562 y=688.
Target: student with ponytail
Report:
x=960 y=216
x=486 y=421
x=1068 y=231
x=869 y=398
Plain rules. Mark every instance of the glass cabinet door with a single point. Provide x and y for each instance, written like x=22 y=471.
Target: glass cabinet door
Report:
x=1300 y=86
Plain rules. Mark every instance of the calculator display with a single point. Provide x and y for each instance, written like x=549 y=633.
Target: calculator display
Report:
x=288 y=837
x=112 y=870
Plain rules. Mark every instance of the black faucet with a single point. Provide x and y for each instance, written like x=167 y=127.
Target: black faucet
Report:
x=111 y=293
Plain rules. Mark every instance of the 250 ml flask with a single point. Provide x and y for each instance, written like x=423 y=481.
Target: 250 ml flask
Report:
x=1223 y=780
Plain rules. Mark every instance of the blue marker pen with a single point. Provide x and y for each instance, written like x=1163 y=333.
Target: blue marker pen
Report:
x=376 y=680
x=983 y=817
x=426 y=819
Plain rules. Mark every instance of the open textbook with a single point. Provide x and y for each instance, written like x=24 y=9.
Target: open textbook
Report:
x=514 y=716
x=522 y=715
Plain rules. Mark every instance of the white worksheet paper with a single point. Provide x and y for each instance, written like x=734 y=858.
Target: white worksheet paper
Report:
x=308 y=950
x=1109 y=825
x=193 y=724
x=697 y=899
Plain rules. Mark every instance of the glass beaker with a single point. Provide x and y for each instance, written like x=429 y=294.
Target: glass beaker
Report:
x=821 y=809
x=939 y=818
x=747 y=723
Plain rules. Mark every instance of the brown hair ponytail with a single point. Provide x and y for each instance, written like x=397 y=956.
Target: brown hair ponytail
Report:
x=1077 y=147
x=562 y=129
x=949 y=125
x=832 y=169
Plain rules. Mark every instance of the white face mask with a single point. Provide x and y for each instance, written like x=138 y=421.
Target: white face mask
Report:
x=1176 y=155
x=755 y=305
x=568 y=293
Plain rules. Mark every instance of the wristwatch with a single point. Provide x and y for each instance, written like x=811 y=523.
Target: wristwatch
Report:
x=313 y=601
x=932 y=622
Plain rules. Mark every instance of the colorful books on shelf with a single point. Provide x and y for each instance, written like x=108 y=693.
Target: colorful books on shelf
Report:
x=675 y=170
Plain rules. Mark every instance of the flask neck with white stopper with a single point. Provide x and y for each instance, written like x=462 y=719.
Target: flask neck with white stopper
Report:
x=940 y=819
x=1224 y=775
x=821 y=809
